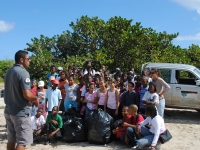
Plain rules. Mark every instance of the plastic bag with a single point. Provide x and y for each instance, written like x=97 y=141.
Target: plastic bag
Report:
x=74 y=130
x=99 y=127
x=71 y=113
x=117 y=123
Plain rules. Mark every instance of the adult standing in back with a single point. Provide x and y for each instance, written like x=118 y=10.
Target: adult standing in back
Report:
x=88 y=64
x=17 y=97
x=51 y=74
x=161 y=88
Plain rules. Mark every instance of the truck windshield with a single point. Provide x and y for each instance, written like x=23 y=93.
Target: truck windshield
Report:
x=197 y=72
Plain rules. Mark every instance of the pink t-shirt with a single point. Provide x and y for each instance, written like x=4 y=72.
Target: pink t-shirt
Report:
x=91 y=97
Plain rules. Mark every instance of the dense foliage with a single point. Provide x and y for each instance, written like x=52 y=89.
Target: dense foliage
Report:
x=117 y=42
x=4 y=65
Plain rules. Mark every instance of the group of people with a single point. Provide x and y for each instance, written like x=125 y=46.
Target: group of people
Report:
x=123 y=95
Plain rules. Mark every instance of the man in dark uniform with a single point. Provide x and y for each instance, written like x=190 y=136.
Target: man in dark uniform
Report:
x=17 y=97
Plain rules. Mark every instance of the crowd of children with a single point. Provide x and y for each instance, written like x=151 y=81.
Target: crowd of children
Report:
x=122 y=95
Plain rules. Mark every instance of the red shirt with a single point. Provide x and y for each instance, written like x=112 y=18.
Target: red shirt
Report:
x=34 y=91
x=137 y=120
x=128 y=120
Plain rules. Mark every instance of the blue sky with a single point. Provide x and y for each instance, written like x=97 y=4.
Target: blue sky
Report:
x=21 y=20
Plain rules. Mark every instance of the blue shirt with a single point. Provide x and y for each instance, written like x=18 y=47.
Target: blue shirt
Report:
x=142 y=92
x=53 y=96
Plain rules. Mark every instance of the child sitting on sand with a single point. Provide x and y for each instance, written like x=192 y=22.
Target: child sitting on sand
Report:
x=37 y=123
x=126 y=118
x=53 y=125
x=129 y=137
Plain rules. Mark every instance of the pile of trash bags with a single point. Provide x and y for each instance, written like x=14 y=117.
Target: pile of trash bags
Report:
x=96 y=127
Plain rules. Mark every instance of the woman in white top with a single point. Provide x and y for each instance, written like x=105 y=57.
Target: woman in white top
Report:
x=156 y=126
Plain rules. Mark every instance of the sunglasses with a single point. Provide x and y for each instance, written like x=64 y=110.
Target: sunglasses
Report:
x=152 y=72
x=28 y=58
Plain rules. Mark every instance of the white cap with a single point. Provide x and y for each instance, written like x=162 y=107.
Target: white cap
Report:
x=97 y=73
x=40 y=83
x=60 y=68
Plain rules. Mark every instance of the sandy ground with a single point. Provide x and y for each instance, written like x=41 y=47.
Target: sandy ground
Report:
x=184 y=125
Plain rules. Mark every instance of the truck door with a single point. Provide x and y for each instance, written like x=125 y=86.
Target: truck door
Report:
x=185 y=92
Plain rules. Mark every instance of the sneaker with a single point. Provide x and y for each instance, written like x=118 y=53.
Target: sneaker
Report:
x=47 y=142
x=135 y=147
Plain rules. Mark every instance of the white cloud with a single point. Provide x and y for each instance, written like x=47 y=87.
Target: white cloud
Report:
x=5 y=26
x=190 y=4
x=189 y=37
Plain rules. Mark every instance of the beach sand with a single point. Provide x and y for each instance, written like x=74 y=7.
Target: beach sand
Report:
x=183 y=124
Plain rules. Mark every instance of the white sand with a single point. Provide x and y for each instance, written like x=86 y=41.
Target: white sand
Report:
x=184 y=125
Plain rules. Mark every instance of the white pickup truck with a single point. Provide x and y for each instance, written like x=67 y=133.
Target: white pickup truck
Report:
x=184 y=81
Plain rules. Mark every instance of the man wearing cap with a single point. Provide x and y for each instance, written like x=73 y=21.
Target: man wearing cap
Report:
x=60 y=69
x=53 y=96
x=17 y=97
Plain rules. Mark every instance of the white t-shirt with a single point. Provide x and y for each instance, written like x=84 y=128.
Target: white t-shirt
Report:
x=37 y=122
x=156 y=125
x=85 y=72
x=151 y=97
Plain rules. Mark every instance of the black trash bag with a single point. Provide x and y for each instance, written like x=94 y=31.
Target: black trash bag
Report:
x=87 y=118
x=71 y=113
x=99 y=127
x=74 y=130
x=117 y=123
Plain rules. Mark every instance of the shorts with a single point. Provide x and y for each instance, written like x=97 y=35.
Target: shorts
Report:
x=71 y=104
x=19 y=129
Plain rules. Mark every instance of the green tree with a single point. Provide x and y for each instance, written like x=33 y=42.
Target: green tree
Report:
x=4 y=66
x=41 y=62
x=117 y=42
x=193 y=53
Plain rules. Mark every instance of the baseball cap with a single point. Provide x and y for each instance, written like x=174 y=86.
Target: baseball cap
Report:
x=55 y=82
x=60 y=68
x=33 y=80
x=118 y=69
x=40 y=83
x=98 y=73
